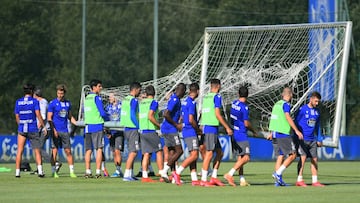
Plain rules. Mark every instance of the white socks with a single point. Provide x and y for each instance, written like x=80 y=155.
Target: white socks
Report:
x=280 y=170
x=40 y=169
x=232 y=171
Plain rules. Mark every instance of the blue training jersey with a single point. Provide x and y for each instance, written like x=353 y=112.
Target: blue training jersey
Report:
x=286 y=109
x=239 y=113
x=214 y=129
x=114 y=112
x=188 y=107
x=174 y=107
x=25 y=107
x=60 y=110
x=307 y=120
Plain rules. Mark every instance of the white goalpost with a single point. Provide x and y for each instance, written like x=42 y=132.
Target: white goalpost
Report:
x=305 y=57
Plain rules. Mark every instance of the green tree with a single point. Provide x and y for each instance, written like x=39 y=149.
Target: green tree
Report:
x=25 y=53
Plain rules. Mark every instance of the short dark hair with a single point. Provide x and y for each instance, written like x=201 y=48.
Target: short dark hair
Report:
x=28 y=88
x=193 y=87
x=181 y=86
x=243 y=91
x=135 y=85
x=150 y=90
x=215 y=81
x=38 y=91
x=94 y=82
x=316 y=94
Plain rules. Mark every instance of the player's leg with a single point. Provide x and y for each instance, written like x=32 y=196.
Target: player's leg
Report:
x=36 y=146
x=133 y=146
x=127 y=174
x=119 y=148
x=314 y=173
x=217 y=160
x=193 y=146
x=98 y=160
x=169 y=149
x=193 y=156
x=302 y=152
x=166 y=154
x=139 y=174
x=205 y=168
x=103 y=164
x=65 y=138
x=242 y=151
x=147 y=147
x=314 y=164
x=88 y=151
x=21 y=139
x=193 y=173
x=37 y=153
x=202 y=148
x=209 y=142
x=216 y=163
x=314 y=167
x=144 y=166
x=159 y=162
x=117 y=163
x=287 y=162
x=279 y=161
x=170 y=165
x=243 y=182
x=98 y=140
x=239 y=165
x=160 y=158
x=245 y=159
x=300 y=169
x=70 y=161
x=278 y=154
x=44 y=154
x=206 y=162
x=116 y=145
x=150 y=168
x=54 y=151
x=286 y=146
x=178 y=151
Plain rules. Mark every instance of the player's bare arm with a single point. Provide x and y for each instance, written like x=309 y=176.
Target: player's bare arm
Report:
x=194 y=124
x=151 y=116
x=42 y=124
x=167 y=116
x=222 y=121
x=293 y=126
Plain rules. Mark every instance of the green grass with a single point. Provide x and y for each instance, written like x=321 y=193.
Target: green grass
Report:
x=342 y=181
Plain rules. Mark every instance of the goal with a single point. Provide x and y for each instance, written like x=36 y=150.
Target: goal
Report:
x=305 y=57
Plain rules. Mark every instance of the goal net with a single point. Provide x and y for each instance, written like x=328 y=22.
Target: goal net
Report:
x=305 y=57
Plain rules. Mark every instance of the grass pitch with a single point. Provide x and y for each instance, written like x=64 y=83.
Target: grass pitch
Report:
x=342 y=182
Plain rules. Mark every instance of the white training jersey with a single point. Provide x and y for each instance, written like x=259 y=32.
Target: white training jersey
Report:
x=43 y=103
